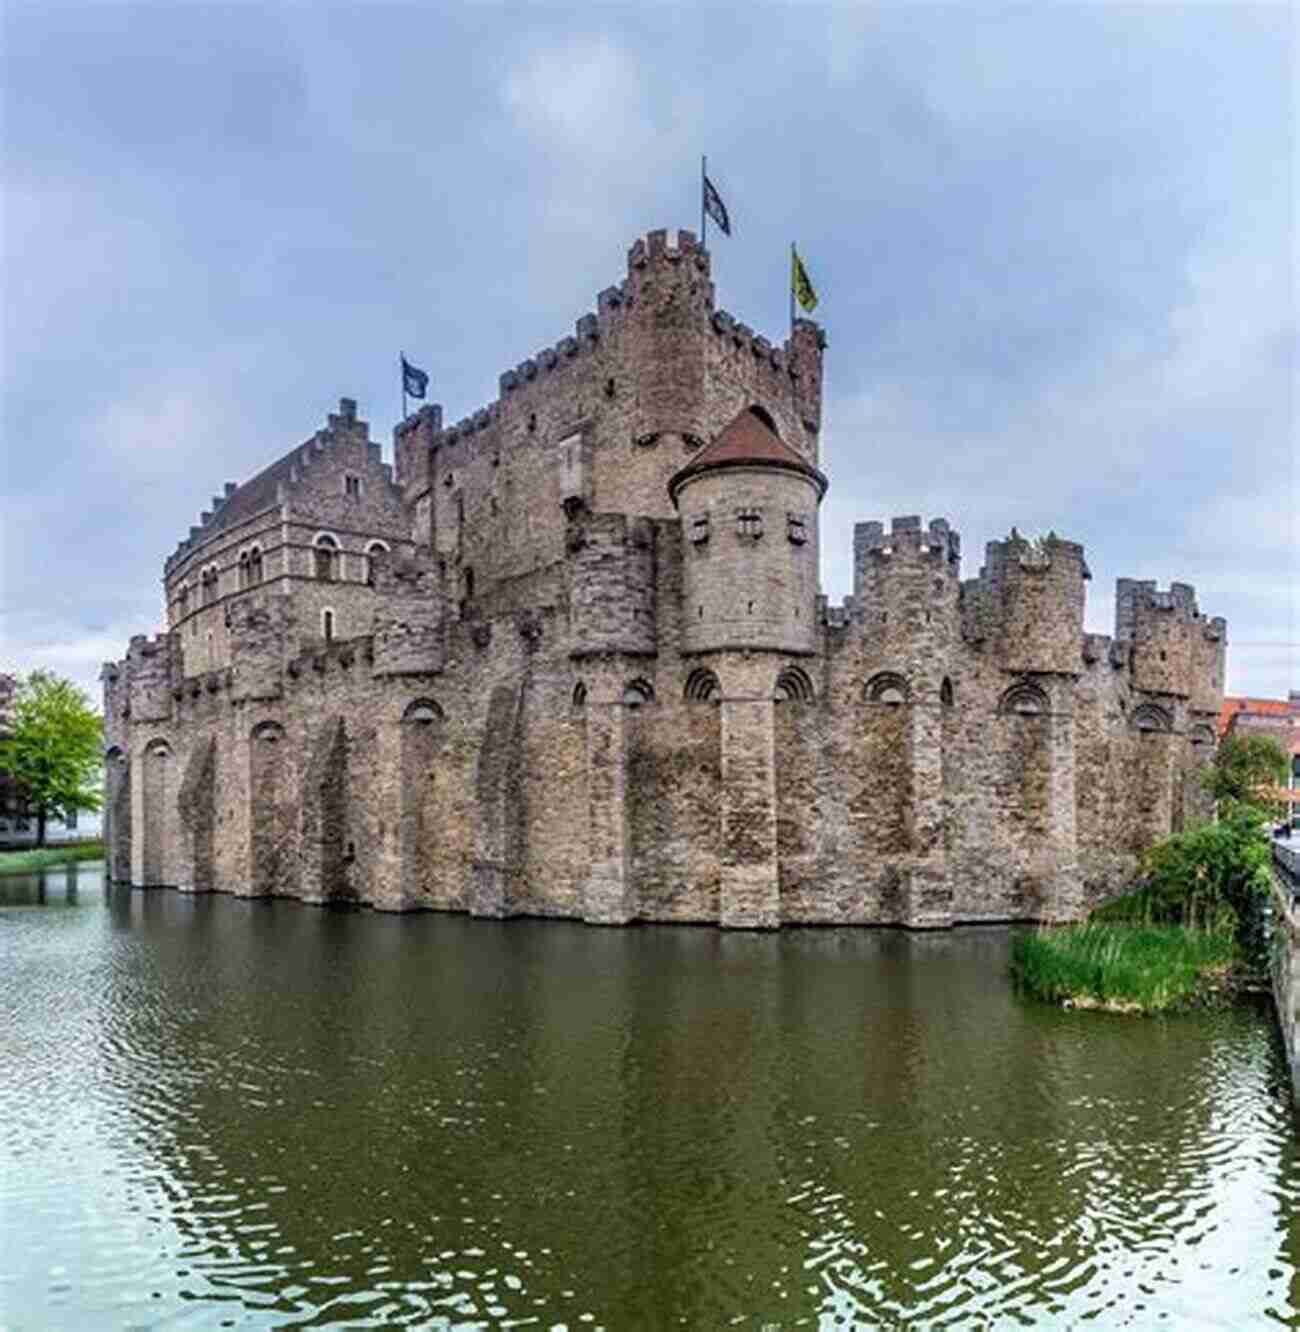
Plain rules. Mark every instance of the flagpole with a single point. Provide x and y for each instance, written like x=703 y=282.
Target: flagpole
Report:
x=401 y=370
x=704 y=216
x=792 y=253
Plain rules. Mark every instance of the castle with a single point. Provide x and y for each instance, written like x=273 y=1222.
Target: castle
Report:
x=568 y=657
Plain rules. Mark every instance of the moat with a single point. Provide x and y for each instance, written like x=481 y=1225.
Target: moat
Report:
x=228 y=1113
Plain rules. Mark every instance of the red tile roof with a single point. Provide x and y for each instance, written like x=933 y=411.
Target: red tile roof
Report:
x=1266 y=707
x=746 y=440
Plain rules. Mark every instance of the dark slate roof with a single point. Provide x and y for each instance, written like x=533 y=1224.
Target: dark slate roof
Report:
x=254 y=495
x=244 y=502
x=747 y=440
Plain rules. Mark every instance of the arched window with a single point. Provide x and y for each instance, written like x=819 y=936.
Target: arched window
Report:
x=423 y=712
x=1024 y=699
x=327 y=625
x=1150 y=717
x=946 y=696
x=794 y=686
x=469 y=582
x=183 y=602
x=208 y=582
x=887 y=687
x=268 y=732
x=326 y=555
x=638 y=692
x=243 y=570
x=255 y=566
x=580 y=695
x=702 y=686
x=371 y=550
x=765 y=416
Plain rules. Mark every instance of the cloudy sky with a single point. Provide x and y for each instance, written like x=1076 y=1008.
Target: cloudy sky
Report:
x=1054 y=244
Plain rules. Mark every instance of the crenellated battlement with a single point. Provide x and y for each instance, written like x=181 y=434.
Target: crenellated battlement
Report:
x=612 y=305
x=905 y=592
x=1017 y=555
x=906 y=539
x=142 y=648
x=1172 y=648
x=1027 y=604
x=1137 y=598
x=897 y=565
x=663 y=281
x=151 y=666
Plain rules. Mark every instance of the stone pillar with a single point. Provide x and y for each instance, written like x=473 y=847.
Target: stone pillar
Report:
x=135 y=775
x=501 y=825
x=608 y=896
x=117 y=816
x=196 y=808
x=1063 y=898
x=323 y=815
x=929 y=897
x=750 y=886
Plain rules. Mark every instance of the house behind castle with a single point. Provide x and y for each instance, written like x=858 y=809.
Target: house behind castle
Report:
x=568 y=657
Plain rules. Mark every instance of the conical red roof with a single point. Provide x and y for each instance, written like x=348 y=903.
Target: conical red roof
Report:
x=748 y=440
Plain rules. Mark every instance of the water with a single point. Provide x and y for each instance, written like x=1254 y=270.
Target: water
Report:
x=217 y=1113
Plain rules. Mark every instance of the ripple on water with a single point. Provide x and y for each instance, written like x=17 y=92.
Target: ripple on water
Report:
x=273 y=1116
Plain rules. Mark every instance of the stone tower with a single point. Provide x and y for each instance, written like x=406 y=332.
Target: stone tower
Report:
x=748 y=505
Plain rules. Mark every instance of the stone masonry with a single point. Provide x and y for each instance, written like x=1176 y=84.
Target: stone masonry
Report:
x=568 y=657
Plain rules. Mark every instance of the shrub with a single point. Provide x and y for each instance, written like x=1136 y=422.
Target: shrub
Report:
x=1119 y=965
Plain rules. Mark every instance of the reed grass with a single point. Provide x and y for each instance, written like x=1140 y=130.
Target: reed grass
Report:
x=23 y=862
x=1126 y=967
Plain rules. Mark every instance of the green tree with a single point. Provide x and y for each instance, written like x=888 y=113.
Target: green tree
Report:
x=1244 y=767
x=54 y=749
x=1192 y=876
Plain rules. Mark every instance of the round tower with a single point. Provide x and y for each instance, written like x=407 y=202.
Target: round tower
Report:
x=748 y=505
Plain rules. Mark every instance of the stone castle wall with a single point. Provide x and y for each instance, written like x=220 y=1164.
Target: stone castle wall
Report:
x=553 y=687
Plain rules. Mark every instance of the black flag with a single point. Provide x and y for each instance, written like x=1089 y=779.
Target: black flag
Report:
x=715 y=208
x=414 y=382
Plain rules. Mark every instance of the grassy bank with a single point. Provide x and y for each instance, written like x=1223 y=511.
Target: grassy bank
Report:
x=1127 y=968
x=23 y=862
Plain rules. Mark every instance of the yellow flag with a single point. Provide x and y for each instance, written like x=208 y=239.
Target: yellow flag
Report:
x=800 y=283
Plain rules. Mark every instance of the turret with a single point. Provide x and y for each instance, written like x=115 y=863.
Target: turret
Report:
x=412 y=440
x=1026 y=606
x=149 y=665
x=1173 y=649
x=906 y=592
x=748 y=505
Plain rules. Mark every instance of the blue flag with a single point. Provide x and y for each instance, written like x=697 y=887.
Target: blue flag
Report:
x=715 y=208
x=414 y=381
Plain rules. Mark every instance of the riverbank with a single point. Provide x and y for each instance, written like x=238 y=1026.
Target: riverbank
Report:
x=50 y=857
x=1123 y=968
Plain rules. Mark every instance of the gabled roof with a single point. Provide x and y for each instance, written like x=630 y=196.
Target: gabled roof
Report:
x=749 y=439
x=1266 y=707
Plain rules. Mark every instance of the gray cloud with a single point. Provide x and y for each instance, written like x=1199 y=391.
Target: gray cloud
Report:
x=1054 y=246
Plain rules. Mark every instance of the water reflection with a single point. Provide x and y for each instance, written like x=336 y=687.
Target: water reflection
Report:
x=261 y=1114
